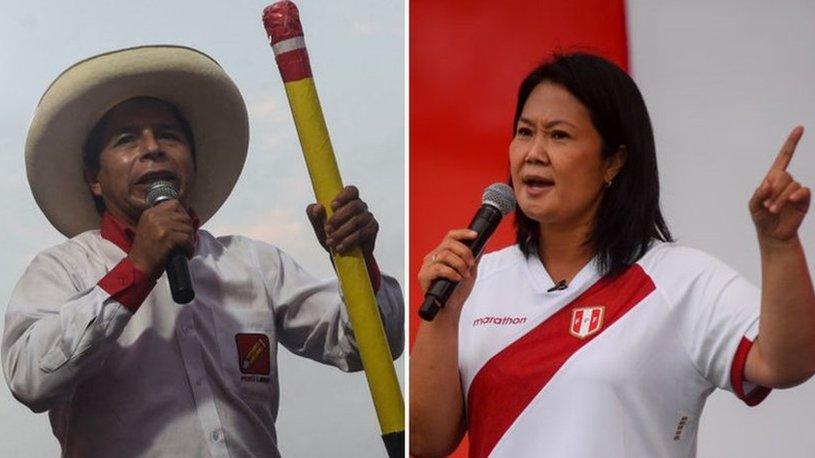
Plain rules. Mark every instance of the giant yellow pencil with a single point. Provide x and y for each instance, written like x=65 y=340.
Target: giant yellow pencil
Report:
x=282 y=22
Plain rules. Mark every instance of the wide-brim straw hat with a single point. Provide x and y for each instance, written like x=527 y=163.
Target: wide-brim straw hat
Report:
x=79 y=97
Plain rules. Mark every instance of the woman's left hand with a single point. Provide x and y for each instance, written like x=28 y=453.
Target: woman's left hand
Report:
x=780 y=203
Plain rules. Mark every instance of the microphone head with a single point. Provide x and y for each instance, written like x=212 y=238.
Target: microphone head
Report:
x=500 y=196
x=159 y=191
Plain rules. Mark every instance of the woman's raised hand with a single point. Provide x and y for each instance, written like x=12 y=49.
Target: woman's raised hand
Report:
x=780 y=203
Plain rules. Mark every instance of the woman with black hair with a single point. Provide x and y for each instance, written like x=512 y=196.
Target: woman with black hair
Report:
x=597 y=335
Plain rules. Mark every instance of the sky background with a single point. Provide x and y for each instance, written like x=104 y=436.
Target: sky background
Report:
x=357 y=54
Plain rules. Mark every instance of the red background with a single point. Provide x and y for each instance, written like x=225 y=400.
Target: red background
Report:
x=467 y=59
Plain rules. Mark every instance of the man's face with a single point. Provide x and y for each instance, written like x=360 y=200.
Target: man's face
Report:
x=143 y=141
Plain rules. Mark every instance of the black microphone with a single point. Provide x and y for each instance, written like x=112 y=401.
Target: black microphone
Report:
x=559 y=286
x=178 y=273
x=498 y=201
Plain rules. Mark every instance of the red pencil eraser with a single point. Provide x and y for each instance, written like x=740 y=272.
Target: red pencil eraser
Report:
x=282 y=21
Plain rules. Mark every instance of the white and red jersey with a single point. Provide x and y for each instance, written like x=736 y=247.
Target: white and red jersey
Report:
x=606 y=367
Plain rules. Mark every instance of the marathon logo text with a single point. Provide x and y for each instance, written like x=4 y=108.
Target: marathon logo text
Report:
x=499 y=320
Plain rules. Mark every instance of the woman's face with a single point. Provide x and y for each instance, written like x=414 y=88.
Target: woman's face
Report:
x=556 y=164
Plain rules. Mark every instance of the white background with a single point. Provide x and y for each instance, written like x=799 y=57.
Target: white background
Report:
x=725 y=82
x=357 y=53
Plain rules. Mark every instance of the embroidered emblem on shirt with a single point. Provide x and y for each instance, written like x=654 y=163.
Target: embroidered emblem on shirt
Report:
x=586 y=321
x=253 y=356
x=499 y=320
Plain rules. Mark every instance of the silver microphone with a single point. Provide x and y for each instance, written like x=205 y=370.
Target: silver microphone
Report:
x=178 y=272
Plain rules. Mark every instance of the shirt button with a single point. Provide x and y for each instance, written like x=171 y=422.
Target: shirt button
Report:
x=215 y=435
x=188 y=329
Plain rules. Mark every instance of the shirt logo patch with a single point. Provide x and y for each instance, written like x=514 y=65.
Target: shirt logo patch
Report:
x=586 y=321
x=253 y=353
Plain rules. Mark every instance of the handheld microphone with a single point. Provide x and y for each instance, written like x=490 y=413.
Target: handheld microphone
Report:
x=178 y=272
x=498 y=201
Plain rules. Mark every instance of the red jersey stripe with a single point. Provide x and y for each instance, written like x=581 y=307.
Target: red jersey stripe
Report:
x=511 y=379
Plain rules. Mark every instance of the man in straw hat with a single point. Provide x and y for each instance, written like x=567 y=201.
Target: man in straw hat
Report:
x=92 y=334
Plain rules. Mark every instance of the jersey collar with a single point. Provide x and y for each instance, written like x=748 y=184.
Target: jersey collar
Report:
x=542 y=281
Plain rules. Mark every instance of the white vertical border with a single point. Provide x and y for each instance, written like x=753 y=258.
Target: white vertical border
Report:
x=408 y=274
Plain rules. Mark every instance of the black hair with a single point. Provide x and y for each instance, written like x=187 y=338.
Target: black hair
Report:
x=92 y=149
x=628 y=217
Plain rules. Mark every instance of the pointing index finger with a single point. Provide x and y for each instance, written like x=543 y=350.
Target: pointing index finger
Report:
x=785 y=154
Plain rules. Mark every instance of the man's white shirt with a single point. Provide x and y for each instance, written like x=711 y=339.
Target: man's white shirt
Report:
x=606 y=367
x=193 y=380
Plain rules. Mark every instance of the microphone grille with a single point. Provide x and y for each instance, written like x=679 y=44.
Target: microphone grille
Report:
x=159 y=191
x=500 y=196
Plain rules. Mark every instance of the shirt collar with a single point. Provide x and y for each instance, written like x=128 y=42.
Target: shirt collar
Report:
x=122 y=236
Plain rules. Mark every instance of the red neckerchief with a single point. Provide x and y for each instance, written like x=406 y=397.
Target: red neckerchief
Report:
x=122 y=236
